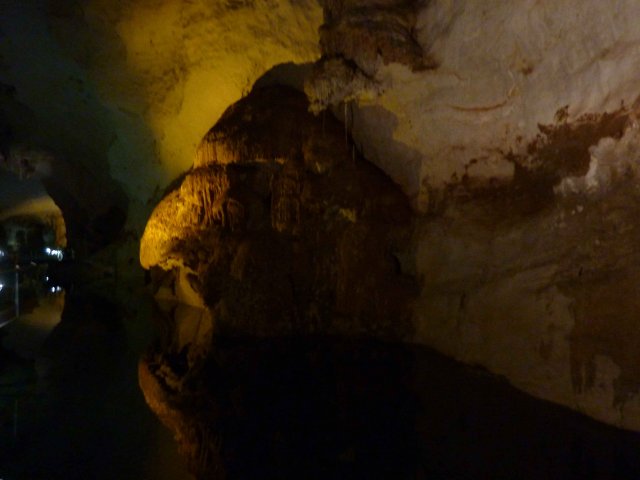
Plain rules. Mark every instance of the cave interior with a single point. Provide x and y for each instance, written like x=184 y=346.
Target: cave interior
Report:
x=319 y=239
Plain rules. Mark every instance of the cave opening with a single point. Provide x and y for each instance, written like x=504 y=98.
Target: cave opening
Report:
x=33 y=249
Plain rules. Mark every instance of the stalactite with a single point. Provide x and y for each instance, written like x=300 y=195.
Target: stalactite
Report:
x=235 y=213
x=346 y=125
x=205 y=189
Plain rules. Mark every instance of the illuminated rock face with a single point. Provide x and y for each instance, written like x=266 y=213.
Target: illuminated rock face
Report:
x=164 y=69
x=489 y=73
x=282 y=228
x=120 y=93
x=515 y=137
x=515 y=134
x=536 y=279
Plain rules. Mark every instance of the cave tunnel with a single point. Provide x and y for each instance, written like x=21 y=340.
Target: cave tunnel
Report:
x=332 y=239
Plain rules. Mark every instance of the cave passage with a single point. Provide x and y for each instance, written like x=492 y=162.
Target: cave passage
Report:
x=70 y=406
x=317 y=193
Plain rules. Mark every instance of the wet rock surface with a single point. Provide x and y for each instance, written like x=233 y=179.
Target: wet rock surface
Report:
x=280 y=232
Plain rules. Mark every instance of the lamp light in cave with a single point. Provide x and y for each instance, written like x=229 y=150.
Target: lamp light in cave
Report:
x=1 y=286
x=54 y=253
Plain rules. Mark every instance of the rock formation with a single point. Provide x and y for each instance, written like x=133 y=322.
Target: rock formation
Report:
x=508 y=128
x=517 y=141
x=524 y=232
x=281 y=227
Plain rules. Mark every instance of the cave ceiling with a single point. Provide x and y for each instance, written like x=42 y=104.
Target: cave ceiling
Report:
x=436 y=91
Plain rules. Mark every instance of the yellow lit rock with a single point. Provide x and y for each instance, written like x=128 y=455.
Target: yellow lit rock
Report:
x=178 y=64
x=270 y=245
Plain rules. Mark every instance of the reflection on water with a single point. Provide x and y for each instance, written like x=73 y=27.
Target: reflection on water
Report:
x=331 y=408
x=26 y=337
x=72 y=386
x=248 y=408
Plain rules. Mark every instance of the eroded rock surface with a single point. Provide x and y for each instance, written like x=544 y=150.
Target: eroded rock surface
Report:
x=536 y=279
x=282 y=230
x=281 y=227
x=491 y=73
x=511 y=127
x=517 y=139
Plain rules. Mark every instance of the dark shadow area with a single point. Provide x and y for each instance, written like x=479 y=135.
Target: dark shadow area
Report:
x=79 y=411
x=330 y=408
x=289 y=73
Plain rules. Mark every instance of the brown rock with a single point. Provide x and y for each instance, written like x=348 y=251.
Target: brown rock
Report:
x=282 y=227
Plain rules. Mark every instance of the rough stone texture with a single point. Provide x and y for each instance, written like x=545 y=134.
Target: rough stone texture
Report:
x=518 y=145
x=357 y=38
x=120 y=93
x=539 y=286
x=367 y=31
x=167 y=68
x=279 y=230
x=496 y=70
x=281 y=227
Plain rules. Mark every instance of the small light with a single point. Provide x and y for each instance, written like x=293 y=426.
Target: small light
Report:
x=48 y=250
x=1 y=287
x=46 y=279
x=53 y=289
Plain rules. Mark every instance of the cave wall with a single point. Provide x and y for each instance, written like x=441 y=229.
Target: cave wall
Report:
x=511 y=127
x=461 y=87
x=116 y=96
x=515 y=136
x=164 y=69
